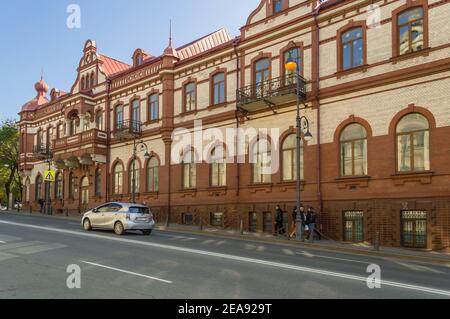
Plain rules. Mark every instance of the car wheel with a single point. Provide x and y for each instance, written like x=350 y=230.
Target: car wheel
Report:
x=87 y=225
x=118 y=229
x=147 y=232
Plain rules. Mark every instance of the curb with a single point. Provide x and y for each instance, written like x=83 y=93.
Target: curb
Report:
x=328 y=248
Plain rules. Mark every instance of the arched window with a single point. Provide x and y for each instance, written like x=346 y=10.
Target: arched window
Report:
x=354 y=150
x=189 y=170
x=218 y=167
x=82 y=83
x=85 y=190
x=290 y=158
x=99 y=121
x=190 y=97
x=87 y=122
x=72 y=186
x=218 y=88
x=27 y=190
x=277 y=6
x=60 y=133
x=261 y=76
x=293 y=54
x=352 y=50
x=59 y=186
x=153 y=107
x=152 y=175
x=118 y=179
x=98 y=182
x=119 y=117
x=413 y=143
x=136 y=178
x=410 y=26
x=38 y=190
x=92 y=79
x=262 y=172
x=40 y=139
x=136 y=111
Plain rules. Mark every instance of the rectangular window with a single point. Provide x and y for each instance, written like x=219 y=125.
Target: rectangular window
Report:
x=252 y=221
x=188 y=219
x=354 y=226
x=414 y=228
x=268 y=223
x=190 y=97
x=217 y=219
x=278 y=6
x=219 y=89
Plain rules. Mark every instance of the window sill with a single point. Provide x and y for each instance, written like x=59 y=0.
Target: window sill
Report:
x=361 y=68
x=187 y=113
x=217 y=106
x=149 y=122
x=217 y=190
x=424 y=177
x=286 y=185
x=410 y=55
x=353 y=182
x=188 y=192
x=260 y=187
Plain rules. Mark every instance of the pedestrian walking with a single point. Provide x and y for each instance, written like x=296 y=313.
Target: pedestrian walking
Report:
x=301 y=224
x=293 y=232
x=41 y=205
x=311 y=220
x=279 y=221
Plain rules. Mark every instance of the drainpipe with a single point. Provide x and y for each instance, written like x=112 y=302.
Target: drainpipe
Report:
x=238 y=69
x=108 y=138
x=317 y=97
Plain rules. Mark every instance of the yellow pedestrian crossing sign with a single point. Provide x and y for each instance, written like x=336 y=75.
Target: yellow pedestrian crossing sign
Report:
x=49 y=176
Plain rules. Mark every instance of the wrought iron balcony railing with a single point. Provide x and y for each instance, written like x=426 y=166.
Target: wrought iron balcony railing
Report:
x=43 y=151
x=271 y=93
x=128 y=129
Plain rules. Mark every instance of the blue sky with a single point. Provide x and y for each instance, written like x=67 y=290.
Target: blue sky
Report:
x=35 y=36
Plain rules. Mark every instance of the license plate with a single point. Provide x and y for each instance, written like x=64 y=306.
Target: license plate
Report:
x=141 y=219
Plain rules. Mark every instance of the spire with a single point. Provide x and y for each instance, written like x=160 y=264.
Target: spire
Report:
x=170 y=34
x=169 y=51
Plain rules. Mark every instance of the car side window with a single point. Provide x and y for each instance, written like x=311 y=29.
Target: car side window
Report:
x=103 y=209
x=114 y=208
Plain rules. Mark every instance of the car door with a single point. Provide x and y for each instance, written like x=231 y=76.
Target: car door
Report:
x=110 y=216
x=97 y=218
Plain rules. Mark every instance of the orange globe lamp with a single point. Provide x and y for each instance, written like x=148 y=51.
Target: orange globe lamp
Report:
x=291 y=66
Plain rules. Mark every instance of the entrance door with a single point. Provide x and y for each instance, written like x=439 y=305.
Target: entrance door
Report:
x=354 y=226
x=252 y=222
x=414 y=229
x=84 y=194
x=268 y=222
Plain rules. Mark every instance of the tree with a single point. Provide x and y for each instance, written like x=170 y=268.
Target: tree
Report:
x=9 y=155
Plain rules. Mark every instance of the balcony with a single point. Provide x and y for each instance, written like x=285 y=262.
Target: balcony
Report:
x=270 y=94
x=92 y=143
x=42 y=151
x=128 y=129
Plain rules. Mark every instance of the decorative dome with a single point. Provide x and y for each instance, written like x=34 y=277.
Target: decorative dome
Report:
x=41 y=87
x=40 y=99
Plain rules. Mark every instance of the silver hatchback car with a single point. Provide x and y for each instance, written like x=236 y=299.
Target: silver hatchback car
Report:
x=119 y=217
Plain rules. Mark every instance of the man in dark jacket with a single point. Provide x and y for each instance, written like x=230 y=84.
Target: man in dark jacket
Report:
x=311 y=221
x=301 y=223
x=278 y=220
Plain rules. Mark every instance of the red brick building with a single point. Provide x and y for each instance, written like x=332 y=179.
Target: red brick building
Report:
x=377 y=94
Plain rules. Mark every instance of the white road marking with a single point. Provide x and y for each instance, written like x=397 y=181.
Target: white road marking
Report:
x=127 y=272
x=235 y=258
x=307 y=254
x=418 y=267
x=2 y=242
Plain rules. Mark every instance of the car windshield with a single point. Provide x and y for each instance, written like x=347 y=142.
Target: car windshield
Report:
x=139 y=210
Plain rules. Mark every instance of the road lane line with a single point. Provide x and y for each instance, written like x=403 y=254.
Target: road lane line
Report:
x=334 y=258
x=127 y=272
x=2 y=242
x=235 y=258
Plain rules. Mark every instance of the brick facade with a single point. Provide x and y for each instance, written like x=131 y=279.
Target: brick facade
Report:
x=376 y=95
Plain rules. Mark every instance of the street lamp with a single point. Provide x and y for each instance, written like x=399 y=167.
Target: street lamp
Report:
x=302 y=122
x=146 y=156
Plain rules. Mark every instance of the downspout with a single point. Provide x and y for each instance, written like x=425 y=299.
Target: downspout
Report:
x=238 y=69
x=108 y=138
x=317 y=97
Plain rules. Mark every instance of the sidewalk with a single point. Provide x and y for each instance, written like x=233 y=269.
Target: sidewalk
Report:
x=326 y=245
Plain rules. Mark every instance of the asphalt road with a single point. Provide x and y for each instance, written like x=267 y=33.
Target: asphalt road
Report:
x=36 y=251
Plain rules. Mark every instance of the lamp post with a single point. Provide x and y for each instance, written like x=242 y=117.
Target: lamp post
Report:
x=146 y=156
x=47 y=190
x=302 y=123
